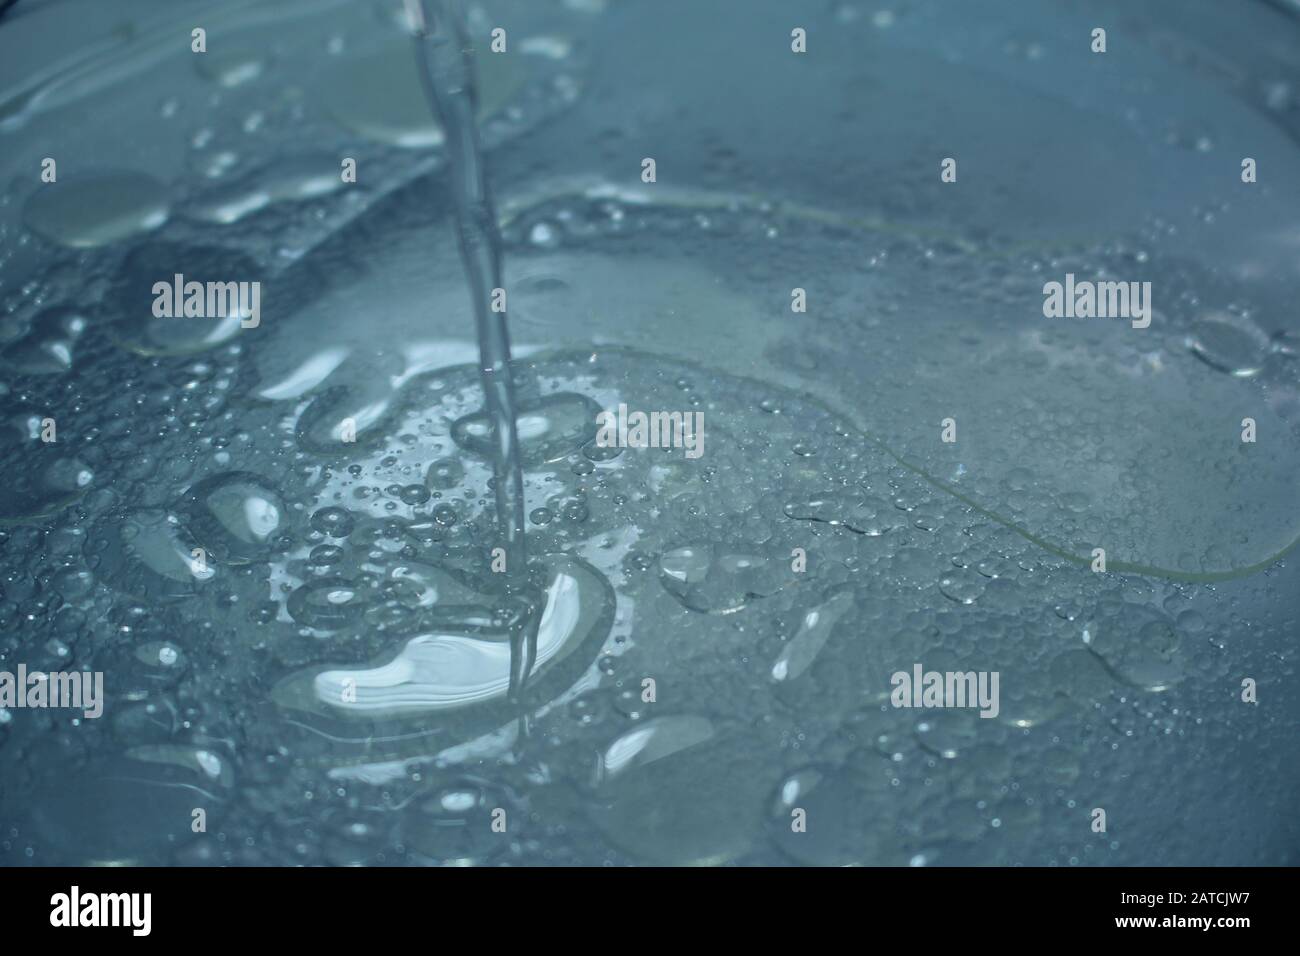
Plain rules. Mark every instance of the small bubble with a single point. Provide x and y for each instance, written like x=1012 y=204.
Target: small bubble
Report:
x=628 y=703
x=324 y=556
x=414 y=494
x=963 y=588
x=445 y=473
x=445 y=515
x=544 y=235
x=335 y=522
x=600 y=453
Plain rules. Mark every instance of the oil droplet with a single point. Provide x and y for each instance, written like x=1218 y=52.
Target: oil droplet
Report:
x=962 y=587
x=236 y=516
x=550 y=429
x=814 y=630
x=95 y=210
x=1229 y=343
x=380 y=96
x=291 y=179
x=46 y=349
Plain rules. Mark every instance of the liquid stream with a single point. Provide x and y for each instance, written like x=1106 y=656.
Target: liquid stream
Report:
x=442 y=51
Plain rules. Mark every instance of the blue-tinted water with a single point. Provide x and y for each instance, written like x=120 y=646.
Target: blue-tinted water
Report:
x=273 y=534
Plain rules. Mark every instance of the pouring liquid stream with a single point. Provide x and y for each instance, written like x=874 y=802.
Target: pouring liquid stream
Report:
x=446 y=71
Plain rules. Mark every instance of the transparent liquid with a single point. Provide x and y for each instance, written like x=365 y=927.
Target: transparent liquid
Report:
x=450 y=86
x=362 y=566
